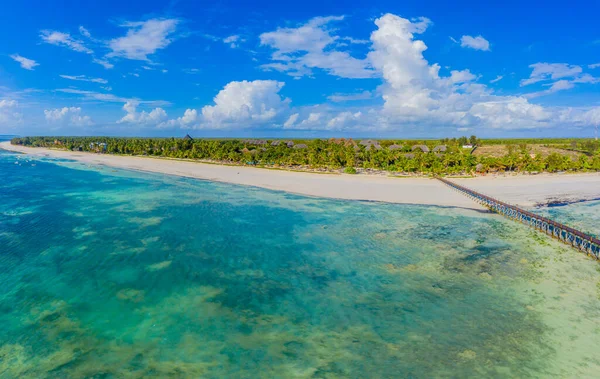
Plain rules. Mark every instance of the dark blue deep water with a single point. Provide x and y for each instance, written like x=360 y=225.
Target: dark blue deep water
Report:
x=114 y=274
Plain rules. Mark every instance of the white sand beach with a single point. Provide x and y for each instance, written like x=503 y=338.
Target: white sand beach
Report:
x=518 y=190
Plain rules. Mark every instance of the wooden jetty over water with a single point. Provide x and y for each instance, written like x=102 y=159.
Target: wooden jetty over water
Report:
x=581 y=241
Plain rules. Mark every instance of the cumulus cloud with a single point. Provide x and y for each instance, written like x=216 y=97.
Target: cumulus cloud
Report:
x=476 y=43
x=189 y=120
x=154 y=117
x=414 y=92
x=299 y=50
x=9 y=115
x=244 y=104
x=27 y=64
x=67 y=116
x=84 y=78
x=143 y=38
x=595 y=65
x=65 y=40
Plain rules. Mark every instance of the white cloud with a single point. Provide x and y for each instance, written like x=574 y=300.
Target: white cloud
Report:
x=67 y=116
x=291 y=121
x=300 y=50
x=189 y=120
x=551 y=71
x=9 y=115
x=413 y=92
x=498 y=78
x=84 y=78
x=65 y=40
x=477 y=43
x=143 y=38
x=560 y=85
x=104 y=63
x=27 y=64
x=84 y=32
x=233 y=41
x=595 y=65
x=154 y=117
x=342 y=97
x=244 y=104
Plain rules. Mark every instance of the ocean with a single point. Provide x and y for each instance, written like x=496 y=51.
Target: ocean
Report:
x=110 y=273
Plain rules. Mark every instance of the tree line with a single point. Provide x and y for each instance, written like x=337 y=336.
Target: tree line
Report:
x=334 y=154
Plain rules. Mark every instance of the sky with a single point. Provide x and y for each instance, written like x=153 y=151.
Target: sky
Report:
x=390 y=69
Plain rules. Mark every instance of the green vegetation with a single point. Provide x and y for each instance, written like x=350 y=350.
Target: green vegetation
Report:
x=445 y=156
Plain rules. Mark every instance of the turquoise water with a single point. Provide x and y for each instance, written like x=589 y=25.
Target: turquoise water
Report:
x=584 y=216
x=115 y=274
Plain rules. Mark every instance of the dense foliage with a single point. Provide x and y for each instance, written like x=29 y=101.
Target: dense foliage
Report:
x=337 y=154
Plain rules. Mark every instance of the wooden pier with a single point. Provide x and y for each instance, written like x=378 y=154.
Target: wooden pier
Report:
x=581 y=241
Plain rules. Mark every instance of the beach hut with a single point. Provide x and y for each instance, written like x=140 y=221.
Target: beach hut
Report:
x=371 y=147
x=260 y=142
x=367 y=142
x=423 y=148
x=409 y=155
x=276 y=143
x=440 y=149
x=395 y=147
x=289 y=143
x=300 y=146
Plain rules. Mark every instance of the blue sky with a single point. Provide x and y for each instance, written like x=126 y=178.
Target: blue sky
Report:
x=315 y=69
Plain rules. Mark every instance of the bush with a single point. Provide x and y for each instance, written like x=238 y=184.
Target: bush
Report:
x=350 y=170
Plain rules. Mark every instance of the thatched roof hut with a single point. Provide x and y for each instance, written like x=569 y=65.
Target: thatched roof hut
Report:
x=423 y=148
x=370 y=147
x=300 y=146
x=395 y=147
x=440 y=149
x=254 y=142
x=289 y=143
x=409 y=155
x=276 y=143
x=367 y=142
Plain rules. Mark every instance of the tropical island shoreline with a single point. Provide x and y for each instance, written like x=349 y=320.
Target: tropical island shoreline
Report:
x=521 y=190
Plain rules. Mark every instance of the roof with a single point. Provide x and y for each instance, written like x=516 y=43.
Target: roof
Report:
x=275 y=143
x=376 y=147
x=423 y=148
x=409 y=155
x=289 y=143
x=300 y=146
x=187 y=138
x=440 y=148
x=395 y=147
x=367 y=142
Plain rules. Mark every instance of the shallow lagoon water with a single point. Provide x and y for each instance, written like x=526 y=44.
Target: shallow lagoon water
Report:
x=115 y=274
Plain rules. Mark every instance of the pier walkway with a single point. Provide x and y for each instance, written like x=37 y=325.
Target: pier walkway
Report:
x=581 y=241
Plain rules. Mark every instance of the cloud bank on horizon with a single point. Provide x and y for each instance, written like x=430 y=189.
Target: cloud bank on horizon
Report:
x=308 y=77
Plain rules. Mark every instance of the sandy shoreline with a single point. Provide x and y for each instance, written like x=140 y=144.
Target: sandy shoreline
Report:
x=518 y=190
